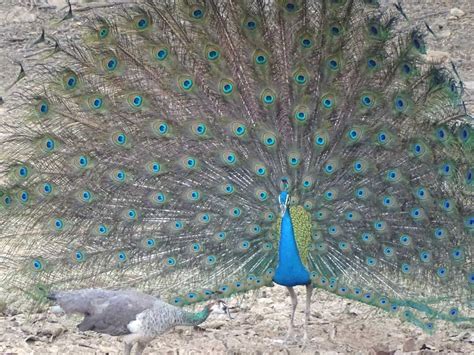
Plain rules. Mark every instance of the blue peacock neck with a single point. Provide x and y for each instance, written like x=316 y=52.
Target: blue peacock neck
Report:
x=290 y=270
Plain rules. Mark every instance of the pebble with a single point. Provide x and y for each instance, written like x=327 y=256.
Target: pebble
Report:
x=437 y=57
x=409 y=345
x=456 y=13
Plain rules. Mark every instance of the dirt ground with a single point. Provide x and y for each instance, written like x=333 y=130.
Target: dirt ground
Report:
x=337 y=326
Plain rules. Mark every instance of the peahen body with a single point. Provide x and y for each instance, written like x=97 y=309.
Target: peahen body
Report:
x=105 y=311
x=189 y=147
x=140 y=317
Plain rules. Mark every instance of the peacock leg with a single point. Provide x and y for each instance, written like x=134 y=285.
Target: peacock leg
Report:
x=307 y=312
x=294 y=302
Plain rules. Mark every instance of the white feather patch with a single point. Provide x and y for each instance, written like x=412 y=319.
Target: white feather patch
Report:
x=57 y=309
x=134 y=326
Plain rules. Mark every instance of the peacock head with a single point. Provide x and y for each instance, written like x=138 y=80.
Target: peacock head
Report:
x=284 y=201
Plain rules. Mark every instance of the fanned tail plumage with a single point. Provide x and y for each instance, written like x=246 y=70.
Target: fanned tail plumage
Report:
x=152 y=154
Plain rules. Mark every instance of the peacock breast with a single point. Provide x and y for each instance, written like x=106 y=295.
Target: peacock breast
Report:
x=294 y=243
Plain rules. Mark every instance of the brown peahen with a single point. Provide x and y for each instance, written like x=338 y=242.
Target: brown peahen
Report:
x=198 y=146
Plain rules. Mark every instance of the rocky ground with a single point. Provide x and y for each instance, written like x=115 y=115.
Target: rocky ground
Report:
x=337 y=326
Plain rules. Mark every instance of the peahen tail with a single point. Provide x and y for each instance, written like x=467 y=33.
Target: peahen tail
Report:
x=151 y=154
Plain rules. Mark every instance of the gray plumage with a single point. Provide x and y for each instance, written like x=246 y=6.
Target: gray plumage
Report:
x=142 y=317
x=104 y=311
x=162 y=317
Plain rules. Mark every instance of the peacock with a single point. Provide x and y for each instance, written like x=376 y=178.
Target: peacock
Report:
x=193 y=147
x=141 y=318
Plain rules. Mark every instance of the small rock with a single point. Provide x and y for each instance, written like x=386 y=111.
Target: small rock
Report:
x=333 y=333
x=52 y=332
x=469 y=85
x=31 y=339
x=437 y=57
x=456 y=13
x=381 y=349
x=409 y=345
x=443 y=34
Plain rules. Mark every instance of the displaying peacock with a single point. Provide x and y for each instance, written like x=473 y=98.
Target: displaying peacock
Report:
x=191 y=147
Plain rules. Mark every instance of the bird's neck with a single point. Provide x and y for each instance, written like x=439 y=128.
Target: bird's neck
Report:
x=287 y=248
x=196 y=318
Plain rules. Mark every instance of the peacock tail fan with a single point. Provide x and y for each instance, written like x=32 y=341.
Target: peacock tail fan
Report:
x=151 y=152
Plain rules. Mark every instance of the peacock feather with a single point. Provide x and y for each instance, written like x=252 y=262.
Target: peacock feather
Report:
x=199 y=146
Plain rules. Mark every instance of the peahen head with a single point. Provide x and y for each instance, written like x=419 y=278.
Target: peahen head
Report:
x=283 y=201
x=219 y=307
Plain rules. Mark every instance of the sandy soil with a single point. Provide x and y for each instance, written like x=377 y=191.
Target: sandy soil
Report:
x=337 y=326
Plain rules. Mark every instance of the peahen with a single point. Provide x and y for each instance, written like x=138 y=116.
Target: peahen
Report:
x=188 y=147
x=140 y=317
